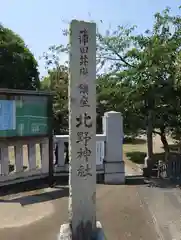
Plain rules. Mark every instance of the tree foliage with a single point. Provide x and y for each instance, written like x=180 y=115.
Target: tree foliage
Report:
x=150 y=62
x=140 y=73
x=18 y=67
x=57 y=82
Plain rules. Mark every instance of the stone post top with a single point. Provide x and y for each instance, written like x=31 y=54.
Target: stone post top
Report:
x=111 y=113
x=82 y=22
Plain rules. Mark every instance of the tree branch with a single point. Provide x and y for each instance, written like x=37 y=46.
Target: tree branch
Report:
x=110 y=58
x=159 y=133
x=119 y=56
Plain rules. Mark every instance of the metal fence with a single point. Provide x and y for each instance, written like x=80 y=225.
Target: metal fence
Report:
x=171 y=168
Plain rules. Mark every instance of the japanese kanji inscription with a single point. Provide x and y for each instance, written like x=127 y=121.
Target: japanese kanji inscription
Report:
x=82 y=121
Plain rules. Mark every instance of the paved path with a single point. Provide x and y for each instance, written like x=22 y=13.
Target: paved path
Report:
x=164 y=203
x=119 y=209
x=127 y=212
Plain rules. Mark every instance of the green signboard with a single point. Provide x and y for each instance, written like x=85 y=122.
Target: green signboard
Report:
x=24 y=115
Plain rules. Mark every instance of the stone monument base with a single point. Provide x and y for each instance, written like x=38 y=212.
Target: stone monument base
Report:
x=65 y=232
x=114 y=172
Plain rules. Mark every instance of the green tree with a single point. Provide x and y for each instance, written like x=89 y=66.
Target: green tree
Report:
x=117 y=94
x=150 y=62
x=57 y=82
x=18 y=67
x=142 y=77
x=158 y=54
x=106 y=86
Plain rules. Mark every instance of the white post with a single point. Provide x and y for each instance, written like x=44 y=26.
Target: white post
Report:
x=114 y=164
x=82 y=129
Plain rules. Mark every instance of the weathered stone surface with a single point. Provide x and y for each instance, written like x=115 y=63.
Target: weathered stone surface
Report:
x=114 y=164
x=82 y=128
x=66 y=234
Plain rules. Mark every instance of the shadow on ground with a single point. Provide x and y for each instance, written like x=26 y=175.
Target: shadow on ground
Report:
x=134 y=141
x=138 y=156
x=34 y=197
x=135 y=180
x=33 y=185
x=152 y=182
x=162 y=183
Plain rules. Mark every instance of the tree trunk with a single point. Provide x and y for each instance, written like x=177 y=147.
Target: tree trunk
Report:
x=149 y=139
x=164 y=142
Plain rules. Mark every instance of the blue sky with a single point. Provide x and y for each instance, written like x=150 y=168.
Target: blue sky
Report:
x=39 y=22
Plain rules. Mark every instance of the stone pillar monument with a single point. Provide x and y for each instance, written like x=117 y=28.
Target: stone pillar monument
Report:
x=114 y=164
x=82 y=132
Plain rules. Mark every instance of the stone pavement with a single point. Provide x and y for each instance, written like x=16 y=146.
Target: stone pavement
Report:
x=132 y=169
x=128 y=212
x=164 y=203
x=39 y=214
x=119 y=208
